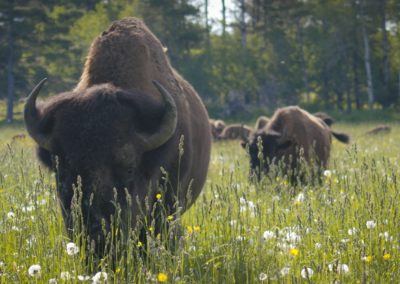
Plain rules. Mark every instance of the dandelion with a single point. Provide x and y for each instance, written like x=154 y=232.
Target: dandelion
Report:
x=158 y=196
x=196 y=228
x=285 y=271
x=139 y=244
x=343 y=268
x=83 y=278
x=170 y=218
x=189 y=230
x=65 y=275
x=34 y=270
x=306 y=273
x=262 y=276
x=387 y=256
x=371 y=224
x=367 y=258
x=72 y=249
x=267 y=235
x=292 y=237
x=294 y=251
x=10 y=215
x=352 y=231
x=52 y=281
x=327 y=173
x=300 y=198
x=162 y=277
x=99 y=277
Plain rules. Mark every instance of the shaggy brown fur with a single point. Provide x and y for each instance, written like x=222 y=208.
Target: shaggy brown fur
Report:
x=235 y=131
x=97 y=130
x=261 y=122
x=325 y=117
x=217 y=126
x=380 y=129
x=292 y=129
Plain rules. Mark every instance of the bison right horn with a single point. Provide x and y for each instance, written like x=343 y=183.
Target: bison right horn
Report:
x=32 y=118
x=168 y=123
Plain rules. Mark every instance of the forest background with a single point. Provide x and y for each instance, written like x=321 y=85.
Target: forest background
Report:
x=246 y=58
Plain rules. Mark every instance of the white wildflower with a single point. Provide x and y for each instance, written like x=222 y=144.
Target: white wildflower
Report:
x=318 y=245
x=327 y=173
x=10 y=215
x=100 y=277
x=52 y=281
x=300 y=197
x=371 y=224
x=72 y=249
x=65 y=275
x=343 y=268
x=263 y=276
x=83 y=277
x=285 y=271
x=352 y=231
x=292 y=237
x=34 y=270
x=267 y=235
x=386 y=236
x=306 y=273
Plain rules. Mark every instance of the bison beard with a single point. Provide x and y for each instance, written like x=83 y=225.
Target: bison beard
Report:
x=118 y=127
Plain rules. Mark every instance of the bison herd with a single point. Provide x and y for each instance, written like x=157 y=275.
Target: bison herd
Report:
x=133 y=126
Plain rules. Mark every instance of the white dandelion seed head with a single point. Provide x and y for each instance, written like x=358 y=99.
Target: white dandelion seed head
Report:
x=285 y=271
x=300 y=197
x=262 y=276
x=343 y=268
x=65 y=275
x=292 y=237
x=34 y=270
x=352 y=231
x=371 y=224
x=327 y=173
x=10 y=215
x=344 y=241
x=307 y=273
x=52 y=281
x=267 y=235
x=386 y=236
x=99 y=277
x=72 y=249
x=83 y=277
x=318 y=245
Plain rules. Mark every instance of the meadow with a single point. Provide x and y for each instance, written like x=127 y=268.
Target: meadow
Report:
x=344 y=230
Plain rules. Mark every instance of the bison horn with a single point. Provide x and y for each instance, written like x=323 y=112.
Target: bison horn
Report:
x=168 y=123
x=32 y=117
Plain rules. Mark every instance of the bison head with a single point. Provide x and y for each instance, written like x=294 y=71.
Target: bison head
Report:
x=101 y=135
x=273 y=148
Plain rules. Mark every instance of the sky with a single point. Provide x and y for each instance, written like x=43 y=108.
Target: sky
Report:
x=215 y=12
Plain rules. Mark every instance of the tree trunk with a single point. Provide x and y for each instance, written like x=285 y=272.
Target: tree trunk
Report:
x=207 y=23
x=223 y=17
x=243 y=30
x=10 y=65
x=385 y=47
x=367 y=61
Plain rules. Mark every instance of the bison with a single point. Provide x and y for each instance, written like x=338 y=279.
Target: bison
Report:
x=261 y=122
x=380 y=129
x=130 y=115
x=217 y=126
x=291 y=134
x=235 y=131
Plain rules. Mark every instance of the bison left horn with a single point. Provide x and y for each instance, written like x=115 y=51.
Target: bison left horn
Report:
x=168 y=123
x=32 y=118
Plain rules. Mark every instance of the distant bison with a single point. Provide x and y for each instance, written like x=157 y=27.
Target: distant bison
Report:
x=217 y=126
x=122 y=122
x=261 y=122
x=325 y=118
x=380 y=129
x=291 y=131
x=235 y=131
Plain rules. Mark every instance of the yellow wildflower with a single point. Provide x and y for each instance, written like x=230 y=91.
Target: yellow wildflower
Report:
x=118 y=270
x=189 y=230
x=158 y=196
x=368 y=258
x=139 y=244
x=294 y=251
x=196 y=228
x=170 y=218
x=162 y=277
x=387 y=256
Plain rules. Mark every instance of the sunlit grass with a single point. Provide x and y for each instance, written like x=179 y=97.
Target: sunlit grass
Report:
x=345 y=229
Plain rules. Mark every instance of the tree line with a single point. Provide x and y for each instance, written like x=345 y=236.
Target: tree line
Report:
x=324 y=54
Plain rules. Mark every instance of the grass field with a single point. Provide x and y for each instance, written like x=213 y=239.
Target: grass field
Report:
x=343 y=231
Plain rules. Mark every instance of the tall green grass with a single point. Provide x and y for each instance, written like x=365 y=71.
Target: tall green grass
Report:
x=345 y=229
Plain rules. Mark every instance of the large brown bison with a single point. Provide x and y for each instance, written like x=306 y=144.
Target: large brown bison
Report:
x=119 y=126
x=235 y=131
x=217 y=126
x=291 y=133
x=261 y=122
